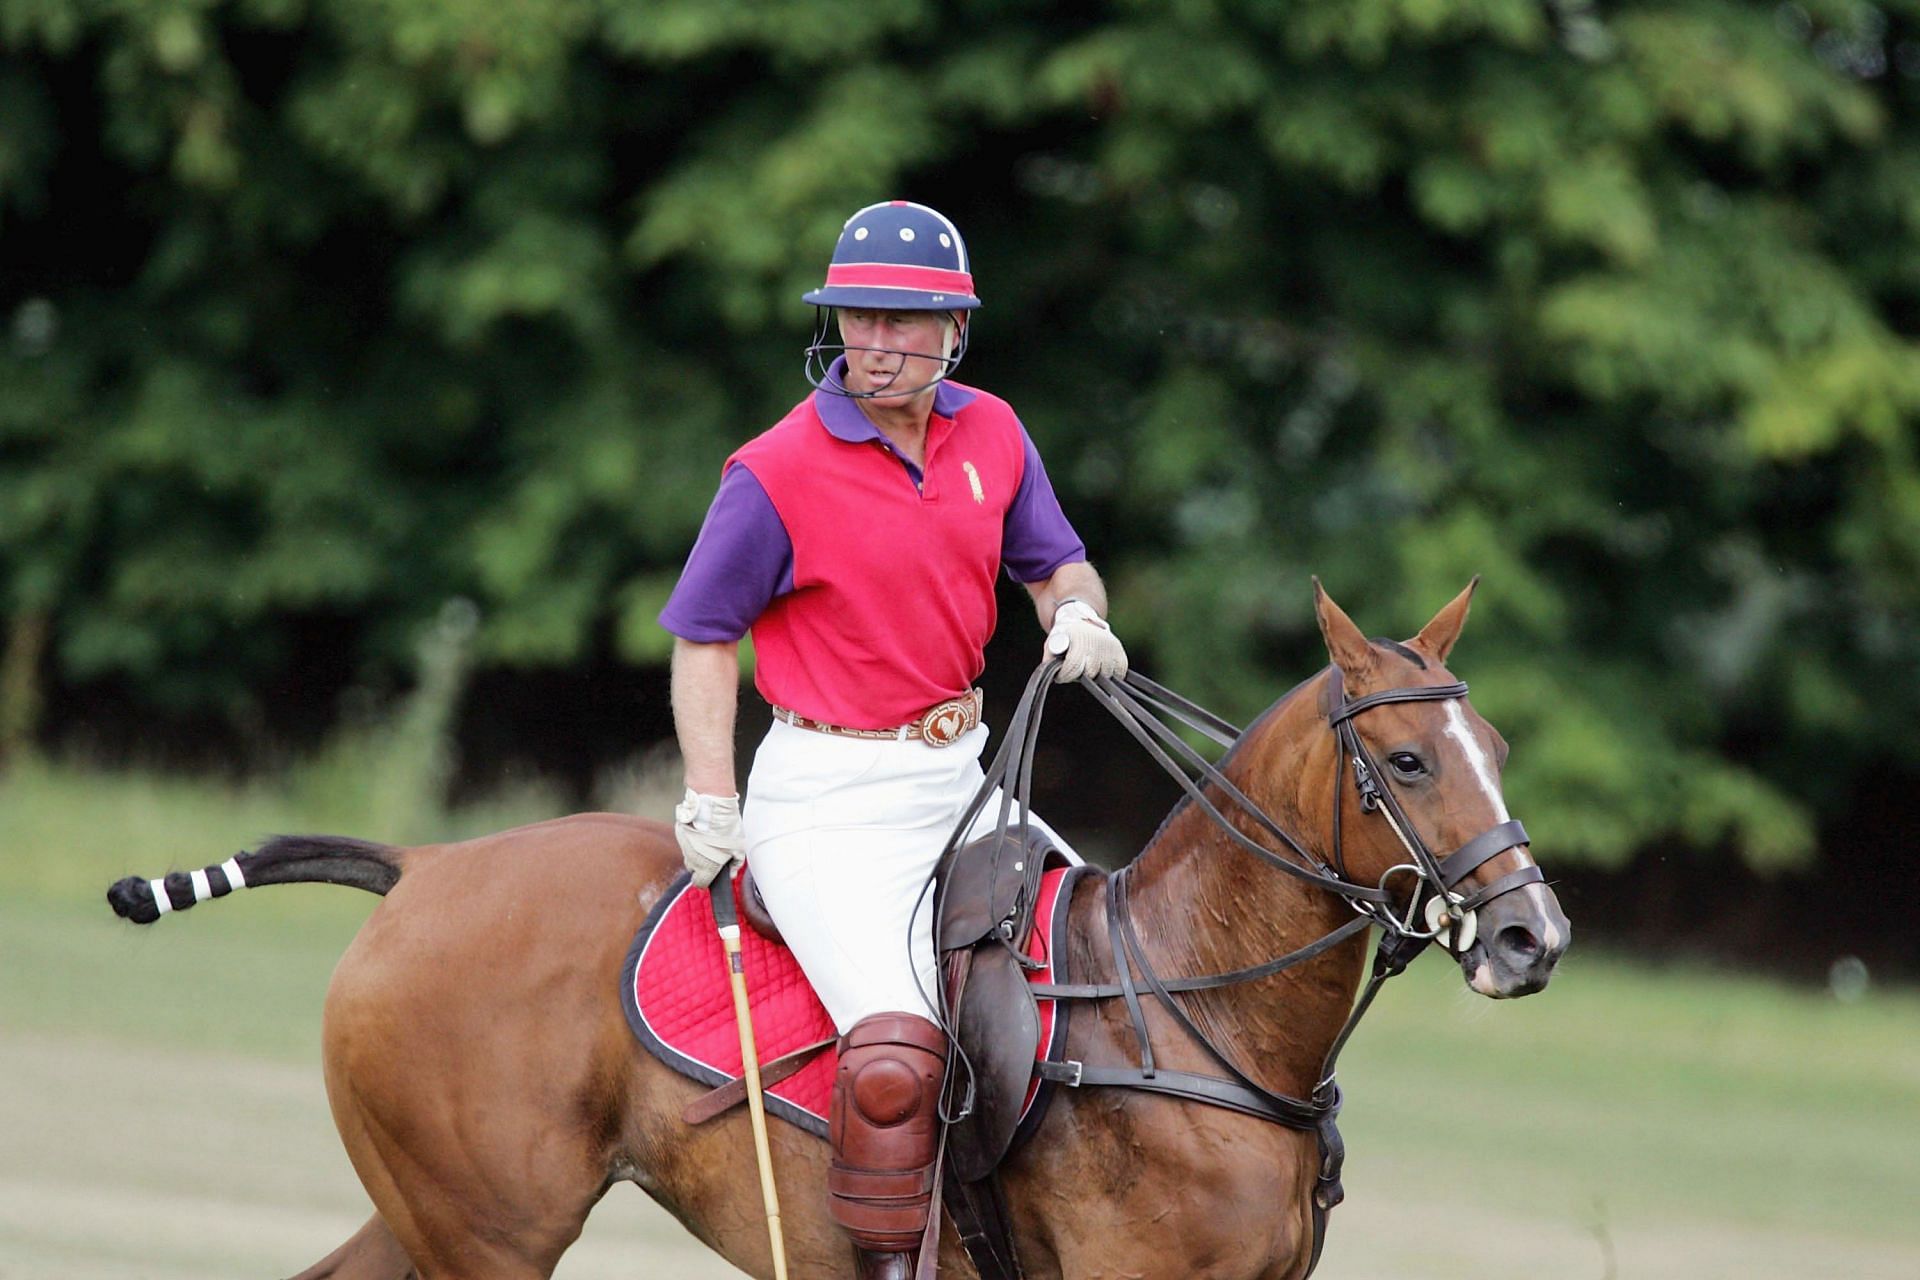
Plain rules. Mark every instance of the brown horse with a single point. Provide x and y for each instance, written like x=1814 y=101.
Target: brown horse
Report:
x=489 y=1092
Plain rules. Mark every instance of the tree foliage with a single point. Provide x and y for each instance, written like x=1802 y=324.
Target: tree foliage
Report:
x=335 y=309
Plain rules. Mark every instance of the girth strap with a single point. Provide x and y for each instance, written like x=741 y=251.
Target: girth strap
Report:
x=980 y=1219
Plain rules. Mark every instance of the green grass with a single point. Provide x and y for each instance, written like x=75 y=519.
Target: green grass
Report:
x=1626 y=1091
x=1624 y=1097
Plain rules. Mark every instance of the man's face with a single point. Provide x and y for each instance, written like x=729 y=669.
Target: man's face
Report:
x=924 y=336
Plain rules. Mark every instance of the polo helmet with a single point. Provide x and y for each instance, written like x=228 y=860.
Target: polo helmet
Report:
x=892 y=256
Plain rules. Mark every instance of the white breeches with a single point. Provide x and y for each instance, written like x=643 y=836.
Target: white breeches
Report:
x=841 y=835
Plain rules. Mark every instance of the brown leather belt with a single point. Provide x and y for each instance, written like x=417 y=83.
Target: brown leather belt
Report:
x=940 y=725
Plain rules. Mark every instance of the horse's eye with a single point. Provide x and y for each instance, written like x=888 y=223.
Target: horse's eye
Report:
x=1406 y=764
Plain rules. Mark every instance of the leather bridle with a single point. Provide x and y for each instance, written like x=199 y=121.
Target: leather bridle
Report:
x=1134 y=700
x=1451 y=922
x=1434 y=911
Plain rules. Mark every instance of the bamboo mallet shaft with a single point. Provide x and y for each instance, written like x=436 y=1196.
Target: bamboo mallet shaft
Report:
x=728 y=920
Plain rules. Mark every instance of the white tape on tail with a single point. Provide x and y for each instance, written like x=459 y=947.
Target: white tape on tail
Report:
x=232 y=867
x=202 y=889
x=160 y=898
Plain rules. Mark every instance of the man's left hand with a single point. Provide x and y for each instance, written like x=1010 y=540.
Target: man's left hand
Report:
x=1085 y=643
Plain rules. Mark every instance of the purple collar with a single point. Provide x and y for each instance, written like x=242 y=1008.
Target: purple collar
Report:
x=842 y=417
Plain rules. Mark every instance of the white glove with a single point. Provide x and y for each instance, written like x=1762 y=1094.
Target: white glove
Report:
x=708 y=829
x=1087 y=644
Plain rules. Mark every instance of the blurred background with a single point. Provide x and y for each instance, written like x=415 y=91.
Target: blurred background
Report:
x=366 y=367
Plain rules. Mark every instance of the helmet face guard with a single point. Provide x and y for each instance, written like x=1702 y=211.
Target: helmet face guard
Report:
x=823 y=357
x=894 y=256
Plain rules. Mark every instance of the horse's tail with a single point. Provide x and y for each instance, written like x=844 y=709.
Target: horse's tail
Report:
x=359 y=864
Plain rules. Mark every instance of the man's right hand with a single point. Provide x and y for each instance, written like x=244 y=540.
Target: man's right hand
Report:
x=708 y=829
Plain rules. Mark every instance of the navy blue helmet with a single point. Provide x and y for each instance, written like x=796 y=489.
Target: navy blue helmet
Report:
x=893 y=256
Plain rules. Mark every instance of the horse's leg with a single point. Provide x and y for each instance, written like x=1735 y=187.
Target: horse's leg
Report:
x=475 y=1076
x=453 y=1218
x=707 y=1176
x=487 y=1087
x=372 y=1254
x=492 y=1192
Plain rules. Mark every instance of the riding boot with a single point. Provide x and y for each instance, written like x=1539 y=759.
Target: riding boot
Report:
x=885 y=1127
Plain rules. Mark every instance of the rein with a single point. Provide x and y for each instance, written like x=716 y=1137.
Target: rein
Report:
x=1139 y=704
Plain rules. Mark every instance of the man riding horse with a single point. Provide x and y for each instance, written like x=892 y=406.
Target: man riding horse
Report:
x=859 y=540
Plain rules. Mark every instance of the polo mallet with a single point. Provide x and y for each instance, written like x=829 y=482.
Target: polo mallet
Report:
x=725 y=915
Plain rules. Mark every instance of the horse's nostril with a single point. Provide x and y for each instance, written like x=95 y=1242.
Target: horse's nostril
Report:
x=1519 y=942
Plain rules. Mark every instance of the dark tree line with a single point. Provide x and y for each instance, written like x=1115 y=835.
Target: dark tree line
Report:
x=320 y=313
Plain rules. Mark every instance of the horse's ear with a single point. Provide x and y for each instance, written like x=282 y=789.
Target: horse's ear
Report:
x=1345 y=644
x=1437 y=637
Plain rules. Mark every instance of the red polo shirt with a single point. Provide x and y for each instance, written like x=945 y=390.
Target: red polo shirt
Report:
x=883 y=600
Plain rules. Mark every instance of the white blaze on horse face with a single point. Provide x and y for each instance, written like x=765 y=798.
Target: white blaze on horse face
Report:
x=1458 y=730
x=1477 y=759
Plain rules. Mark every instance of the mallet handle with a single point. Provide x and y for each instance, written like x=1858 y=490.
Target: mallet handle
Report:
x=750 y=1061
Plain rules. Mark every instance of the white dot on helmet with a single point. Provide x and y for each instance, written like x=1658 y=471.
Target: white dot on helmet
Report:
x=946 y=241
x=906 y=233
x=860 y=233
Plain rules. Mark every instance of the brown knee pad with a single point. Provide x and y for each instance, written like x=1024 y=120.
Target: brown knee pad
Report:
x=885 y=1127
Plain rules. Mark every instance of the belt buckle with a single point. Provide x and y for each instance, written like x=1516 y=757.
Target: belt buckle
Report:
x=943 y=724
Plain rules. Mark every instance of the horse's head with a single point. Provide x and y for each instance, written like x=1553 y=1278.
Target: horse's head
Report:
x=1433 y=802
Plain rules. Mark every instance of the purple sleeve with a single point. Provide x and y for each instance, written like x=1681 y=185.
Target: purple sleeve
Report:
x=742 y=559
x=1036 y=538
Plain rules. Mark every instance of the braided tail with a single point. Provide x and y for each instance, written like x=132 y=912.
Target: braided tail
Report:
x=359 y=864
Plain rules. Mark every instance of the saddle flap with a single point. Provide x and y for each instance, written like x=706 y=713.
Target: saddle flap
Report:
x=983 y=885
x=754 y=907
x=997 y=1024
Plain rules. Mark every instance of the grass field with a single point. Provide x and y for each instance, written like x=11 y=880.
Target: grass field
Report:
x=162 y=1115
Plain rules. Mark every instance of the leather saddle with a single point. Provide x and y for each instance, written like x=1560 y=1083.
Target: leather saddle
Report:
x=984 y=901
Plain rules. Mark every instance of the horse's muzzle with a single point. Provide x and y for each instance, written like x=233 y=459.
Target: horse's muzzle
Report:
x=1522 y=937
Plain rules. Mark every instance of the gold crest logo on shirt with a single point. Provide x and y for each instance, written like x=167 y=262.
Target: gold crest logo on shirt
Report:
x=973 y=478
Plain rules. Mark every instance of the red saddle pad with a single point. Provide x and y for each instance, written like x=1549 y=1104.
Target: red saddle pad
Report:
x=679 y=1001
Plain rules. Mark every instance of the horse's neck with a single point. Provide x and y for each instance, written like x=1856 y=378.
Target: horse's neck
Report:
x=1203 y=905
